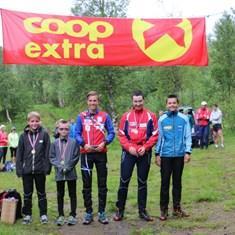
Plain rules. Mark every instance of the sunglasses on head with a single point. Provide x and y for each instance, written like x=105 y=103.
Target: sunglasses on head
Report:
x=63 y=129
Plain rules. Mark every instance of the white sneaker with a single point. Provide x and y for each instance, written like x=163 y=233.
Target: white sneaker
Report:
x=27 y=219
x=72 y=220
x=60 y=221
x=222 y=146
x=43 y=219
x=216 y=146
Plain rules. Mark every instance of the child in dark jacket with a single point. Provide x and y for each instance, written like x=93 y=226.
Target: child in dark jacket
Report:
x=32 y=164
x=64 y=156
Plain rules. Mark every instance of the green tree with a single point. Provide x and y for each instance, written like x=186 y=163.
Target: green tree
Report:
x=14 y=97
x=100 y=8
x=223 y=54
x=106 y=80
x=34 y=77
x=223 y=64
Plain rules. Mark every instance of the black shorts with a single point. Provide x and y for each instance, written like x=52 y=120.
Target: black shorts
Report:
x=217 y=127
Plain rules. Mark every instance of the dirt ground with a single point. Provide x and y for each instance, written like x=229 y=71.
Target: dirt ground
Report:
x=217 y=222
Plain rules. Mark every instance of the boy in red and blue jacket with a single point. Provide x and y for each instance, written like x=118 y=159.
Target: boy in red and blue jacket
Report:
x=91 y=128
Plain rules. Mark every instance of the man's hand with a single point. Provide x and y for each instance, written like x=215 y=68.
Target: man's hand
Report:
x=158 y=160
x=141 y=151
x=133 y=151
x=187 y=158
x=88 y=148
x=100 y=147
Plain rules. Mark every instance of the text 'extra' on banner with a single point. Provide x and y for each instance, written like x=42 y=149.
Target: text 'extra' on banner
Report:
x=30 y=38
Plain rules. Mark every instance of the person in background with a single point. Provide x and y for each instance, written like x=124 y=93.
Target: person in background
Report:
x=190 y=118
x=56 y=131
x=216 y=120
x=72 y=129
x=3 y=143
x=64 y=155
x=160 y=113
x=173 y=149
x=13 y=139
x=32 y=164
x=202 y=120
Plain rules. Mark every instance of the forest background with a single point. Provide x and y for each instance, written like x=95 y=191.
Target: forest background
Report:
x=60 y=91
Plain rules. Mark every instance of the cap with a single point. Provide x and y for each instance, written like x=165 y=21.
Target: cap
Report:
x=203 y=103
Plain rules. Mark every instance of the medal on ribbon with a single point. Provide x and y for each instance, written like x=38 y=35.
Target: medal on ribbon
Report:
x=62 y=153
x=33 y=143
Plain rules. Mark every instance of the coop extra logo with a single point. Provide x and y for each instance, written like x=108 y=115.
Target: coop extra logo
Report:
x=77 y=28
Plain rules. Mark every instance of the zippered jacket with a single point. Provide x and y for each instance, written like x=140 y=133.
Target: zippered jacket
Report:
x=174 y=135
x=3 y=139
x=71 y=157
x=13 y=139
x=202 y=116
x=216 y=117
x=26 y=161
x=72 y=131
x=137 y=129
x=93 y=129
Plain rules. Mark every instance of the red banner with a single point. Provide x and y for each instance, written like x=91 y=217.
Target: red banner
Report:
x=50 y=39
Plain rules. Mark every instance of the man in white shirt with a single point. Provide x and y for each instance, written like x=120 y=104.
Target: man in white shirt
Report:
x=216 y=120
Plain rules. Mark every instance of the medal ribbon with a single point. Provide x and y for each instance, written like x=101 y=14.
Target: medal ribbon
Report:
x=64 y=149
x=33 y=143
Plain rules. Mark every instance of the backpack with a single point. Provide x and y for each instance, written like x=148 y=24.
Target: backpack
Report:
x=8 y=166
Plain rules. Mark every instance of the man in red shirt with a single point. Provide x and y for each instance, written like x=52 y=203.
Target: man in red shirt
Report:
x=137 y=134
x=202 y=120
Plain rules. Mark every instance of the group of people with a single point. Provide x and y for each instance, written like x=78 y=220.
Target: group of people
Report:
x=8 y=140
x=204 y=117
x=139 y=131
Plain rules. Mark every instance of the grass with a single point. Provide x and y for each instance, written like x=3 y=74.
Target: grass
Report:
x=208 y=189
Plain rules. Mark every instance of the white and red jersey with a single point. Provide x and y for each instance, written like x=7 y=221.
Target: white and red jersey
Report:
x=202 y=116
x=91 y=129
x=138 y=128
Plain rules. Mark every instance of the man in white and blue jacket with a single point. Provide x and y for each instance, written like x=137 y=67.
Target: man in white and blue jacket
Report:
x=173 y=149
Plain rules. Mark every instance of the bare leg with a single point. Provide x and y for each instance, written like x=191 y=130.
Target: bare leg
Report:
x=220 y=135
x=215 y=136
